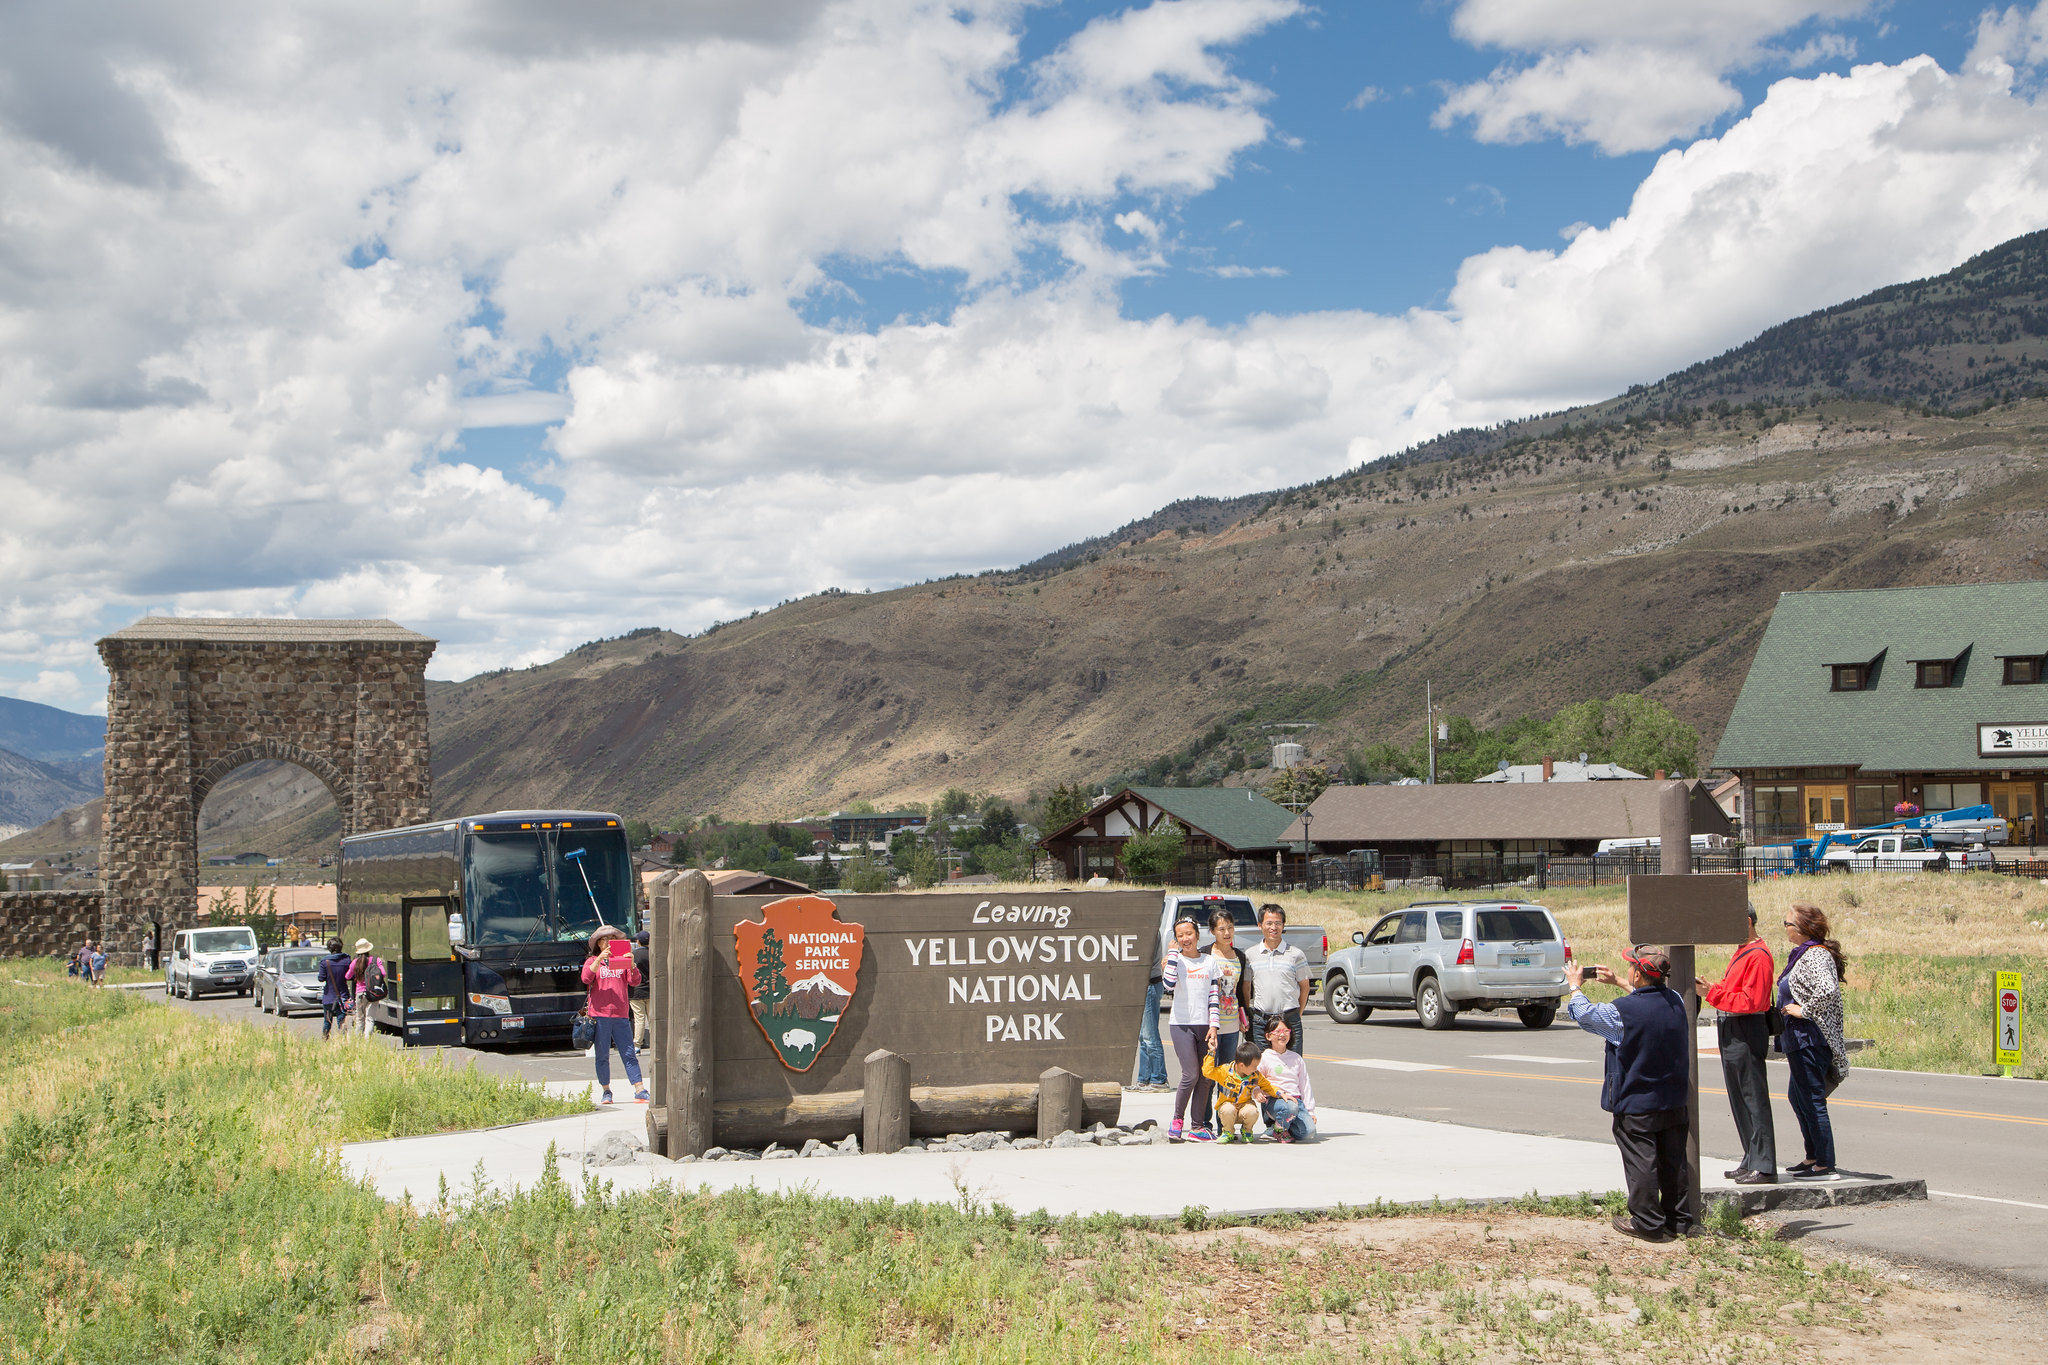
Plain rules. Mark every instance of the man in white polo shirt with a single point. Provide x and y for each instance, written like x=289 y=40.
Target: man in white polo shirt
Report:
x=1280 y=977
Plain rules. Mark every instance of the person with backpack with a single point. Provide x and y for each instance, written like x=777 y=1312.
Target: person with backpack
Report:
x=333 y=989
x=368 y=974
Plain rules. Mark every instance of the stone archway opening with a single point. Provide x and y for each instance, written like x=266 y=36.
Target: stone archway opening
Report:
x=192 y=702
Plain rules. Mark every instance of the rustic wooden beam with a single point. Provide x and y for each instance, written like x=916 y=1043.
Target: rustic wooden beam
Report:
x=658 y=932
x=885 y=1103
x=1011 y=1107
x=687 y=1043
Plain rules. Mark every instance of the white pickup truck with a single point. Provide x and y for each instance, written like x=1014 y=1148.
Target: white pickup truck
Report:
x=1904 y=853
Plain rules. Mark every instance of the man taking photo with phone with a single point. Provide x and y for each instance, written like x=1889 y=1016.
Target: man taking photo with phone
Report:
x=1645 y=1088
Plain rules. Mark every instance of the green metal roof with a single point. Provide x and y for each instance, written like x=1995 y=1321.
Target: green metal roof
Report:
x=1236 y=817
x=1787 y=717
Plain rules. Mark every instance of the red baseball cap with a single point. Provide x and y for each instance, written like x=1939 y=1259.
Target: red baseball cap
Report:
x=1652 y=962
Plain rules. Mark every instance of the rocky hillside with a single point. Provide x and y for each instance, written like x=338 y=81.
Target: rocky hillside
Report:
x=1634 y=545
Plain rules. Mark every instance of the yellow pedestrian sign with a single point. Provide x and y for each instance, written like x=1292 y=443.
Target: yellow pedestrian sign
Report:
x=2007 y=1045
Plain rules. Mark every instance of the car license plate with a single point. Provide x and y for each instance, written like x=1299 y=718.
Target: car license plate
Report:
x=1523 y=961
x=512 y=1021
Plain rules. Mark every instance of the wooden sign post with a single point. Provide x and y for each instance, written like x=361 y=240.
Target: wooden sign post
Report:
x=1677 y=910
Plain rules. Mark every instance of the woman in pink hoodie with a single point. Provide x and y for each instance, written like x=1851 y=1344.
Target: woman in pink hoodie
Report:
x=608 y=979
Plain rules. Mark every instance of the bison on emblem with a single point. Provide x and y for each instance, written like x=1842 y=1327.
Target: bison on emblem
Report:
x=799 y=965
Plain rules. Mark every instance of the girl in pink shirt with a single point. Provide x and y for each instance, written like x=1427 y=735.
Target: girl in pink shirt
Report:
x=608 y=979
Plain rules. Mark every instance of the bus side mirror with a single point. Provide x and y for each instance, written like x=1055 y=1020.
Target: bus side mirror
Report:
x=455 y=929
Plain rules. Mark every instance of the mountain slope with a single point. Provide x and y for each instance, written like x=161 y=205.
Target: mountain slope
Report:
x=31 y=791
x=49 y=735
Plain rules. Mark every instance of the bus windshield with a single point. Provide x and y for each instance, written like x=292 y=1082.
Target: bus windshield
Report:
x=593 y=882
x=507 y=892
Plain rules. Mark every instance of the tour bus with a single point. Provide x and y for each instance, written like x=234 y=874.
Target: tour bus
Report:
x=482 y=921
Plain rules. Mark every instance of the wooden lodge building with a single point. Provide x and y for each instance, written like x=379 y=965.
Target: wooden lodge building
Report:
x=1460 y=829
x=1860 y=700
x=1221 y=823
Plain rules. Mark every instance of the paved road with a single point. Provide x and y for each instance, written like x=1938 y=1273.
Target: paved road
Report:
x=1978 y=1142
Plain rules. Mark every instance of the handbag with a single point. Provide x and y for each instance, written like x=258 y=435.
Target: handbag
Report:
x=584 y=1032
x=1774 y=1020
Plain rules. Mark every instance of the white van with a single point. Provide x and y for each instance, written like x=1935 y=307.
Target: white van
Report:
x=202 y=960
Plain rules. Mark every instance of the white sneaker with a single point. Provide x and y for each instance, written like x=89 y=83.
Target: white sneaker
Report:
x=590 y=1051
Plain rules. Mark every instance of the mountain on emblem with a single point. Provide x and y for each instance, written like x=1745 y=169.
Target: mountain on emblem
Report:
x=799 y=965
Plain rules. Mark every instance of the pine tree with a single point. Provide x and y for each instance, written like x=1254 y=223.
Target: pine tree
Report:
x=771 y=985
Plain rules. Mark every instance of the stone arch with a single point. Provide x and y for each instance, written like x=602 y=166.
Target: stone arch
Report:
x=191 y=700
x=337 y=784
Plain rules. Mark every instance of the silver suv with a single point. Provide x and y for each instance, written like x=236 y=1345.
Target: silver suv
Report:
x=1444 y=957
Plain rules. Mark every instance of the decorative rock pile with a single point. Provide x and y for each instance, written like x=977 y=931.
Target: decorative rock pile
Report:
x=626 y=1149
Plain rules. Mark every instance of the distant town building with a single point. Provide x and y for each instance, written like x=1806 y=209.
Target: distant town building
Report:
x=1859 y=702
x=1566 y=770
x=1221 y=822
x=860 y=829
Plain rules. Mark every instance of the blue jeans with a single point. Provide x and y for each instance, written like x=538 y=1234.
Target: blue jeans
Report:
x=1289 y=1116
x=615 y=1033
x=1151 y=1052
x=1808 y=1095
x=332 y=1012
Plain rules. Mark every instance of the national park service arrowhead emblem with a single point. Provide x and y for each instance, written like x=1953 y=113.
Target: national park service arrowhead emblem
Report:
x=799 y=965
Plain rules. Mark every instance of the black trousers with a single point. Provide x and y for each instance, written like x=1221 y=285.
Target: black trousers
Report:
x=1260 y=1021
x=1745 y=1046
x=1653 y=1163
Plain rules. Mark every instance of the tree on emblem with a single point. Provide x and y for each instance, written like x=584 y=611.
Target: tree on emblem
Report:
x=771 y=984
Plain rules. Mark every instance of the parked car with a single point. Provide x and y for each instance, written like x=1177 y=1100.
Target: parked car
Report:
x=1310 y=938
x=288 y=979
x=1904 y=852
x=1441 y=958
x=211 y=960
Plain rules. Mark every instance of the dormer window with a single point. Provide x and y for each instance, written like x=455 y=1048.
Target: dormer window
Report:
x=1851 y=677
x=1934 y=673
x=2023 y=670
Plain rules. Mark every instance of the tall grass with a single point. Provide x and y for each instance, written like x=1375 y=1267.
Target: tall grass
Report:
x=168 y=1192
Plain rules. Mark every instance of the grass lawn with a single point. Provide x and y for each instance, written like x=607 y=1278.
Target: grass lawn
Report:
x=168 y=1192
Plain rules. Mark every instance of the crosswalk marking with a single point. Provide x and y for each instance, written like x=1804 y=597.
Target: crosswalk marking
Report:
x=1529 y=1057
x=1381 y=1064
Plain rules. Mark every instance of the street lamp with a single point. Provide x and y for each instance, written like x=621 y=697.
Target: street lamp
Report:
x=1306 y=847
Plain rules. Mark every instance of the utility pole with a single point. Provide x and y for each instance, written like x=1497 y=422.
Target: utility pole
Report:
x=1429 y=716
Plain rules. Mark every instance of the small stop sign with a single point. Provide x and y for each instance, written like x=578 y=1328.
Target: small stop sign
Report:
x=2009 y=1002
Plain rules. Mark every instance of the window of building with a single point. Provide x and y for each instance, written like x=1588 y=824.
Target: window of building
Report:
x=1851 y=677
x=1934 y=672
x=1778 y=815
x=1951 y=795
x=1873 y=802
x=2019 y=672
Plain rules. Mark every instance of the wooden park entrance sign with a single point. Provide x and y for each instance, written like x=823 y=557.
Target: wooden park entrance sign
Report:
x=891 y=1016
x=1677 y=910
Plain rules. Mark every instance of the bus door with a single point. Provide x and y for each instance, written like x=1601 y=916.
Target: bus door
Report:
x=430 y=978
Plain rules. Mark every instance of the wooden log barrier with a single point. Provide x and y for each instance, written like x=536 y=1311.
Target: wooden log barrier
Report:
x=885 y=1103
x=657 y=1009
x=1060 y=1103
x=934 y=1111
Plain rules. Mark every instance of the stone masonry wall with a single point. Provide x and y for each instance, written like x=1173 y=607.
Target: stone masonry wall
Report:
x=47 y=923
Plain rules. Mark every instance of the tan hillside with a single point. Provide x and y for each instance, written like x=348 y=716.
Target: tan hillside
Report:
x=1517 y=580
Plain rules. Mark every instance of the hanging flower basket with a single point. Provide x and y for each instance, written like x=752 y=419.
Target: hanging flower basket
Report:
x=1905 y=808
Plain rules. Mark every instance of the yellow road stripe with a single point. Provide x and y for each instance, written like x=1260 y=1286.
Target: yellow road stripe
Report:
x=1712 y=1090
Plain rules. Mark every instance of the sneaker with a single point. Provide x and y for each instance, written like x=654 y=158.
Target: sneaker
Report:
x=640 y=1096
x=1173 y=1131
x=605 y=1098
x=1201 y=1135
x=1818 y=1173
x=1282 y=1135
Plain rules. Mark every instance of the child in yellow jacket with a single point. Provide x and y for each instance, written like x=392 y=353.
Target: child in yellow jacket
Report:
x=1237 y=1092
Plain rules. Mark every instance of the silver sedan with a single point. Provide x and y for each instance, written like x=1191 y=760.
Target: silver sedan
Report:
x=287 y=980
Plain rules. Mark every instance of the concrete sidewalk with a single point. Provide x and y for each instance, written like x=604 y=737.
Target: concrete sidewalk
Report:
x=1360 y=1159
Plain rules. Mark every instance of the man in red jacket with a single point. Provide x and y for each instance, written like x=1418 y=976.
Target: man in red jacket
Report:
x=1743 y=998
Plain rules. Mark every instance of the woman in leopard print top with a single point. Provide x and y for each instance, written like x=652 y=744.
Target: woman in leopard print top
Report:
x=1810 y=994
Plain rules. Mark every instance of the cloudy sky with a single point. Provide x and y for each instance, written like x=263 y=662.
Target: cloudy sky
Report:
x=526 y=323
